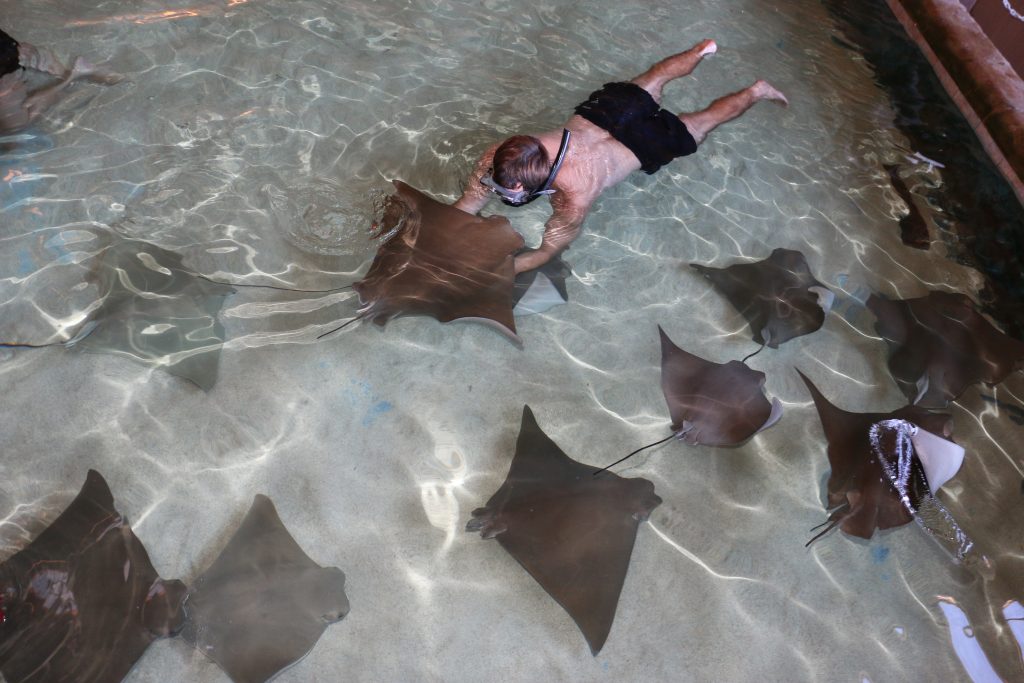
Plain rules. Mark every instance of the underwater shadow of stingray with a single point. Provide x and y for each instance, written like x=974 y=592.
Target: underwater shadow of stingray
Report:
x=572 y=532
x=939 y=345
x=778 y=296
x=82 y=601
x=155 y=311
x=263 y=603
x=861 y=496
x=913 y=228
x=444 y=263
x=711 y=404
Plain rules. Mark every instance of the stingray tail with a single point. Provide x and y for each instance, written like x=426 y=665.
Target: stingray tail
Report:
x=82 y=333
x=281 y=289
x=832 y=522
x=341 y=327
x=766 y=335
x=650 y=445
x=749 y=356
x=17 y=345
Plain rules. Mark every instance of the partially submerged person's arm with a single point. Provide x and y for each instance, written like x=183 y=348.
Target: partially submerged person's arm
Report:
x=562 y=228
x=475 y=196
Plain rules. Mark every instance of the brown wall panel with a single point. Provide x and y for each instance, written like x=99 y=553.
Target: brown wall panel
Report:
x=1005 y=31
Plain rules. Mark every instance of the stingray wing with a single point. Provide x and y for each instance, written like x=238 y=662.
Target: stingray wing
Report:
x=573 y=532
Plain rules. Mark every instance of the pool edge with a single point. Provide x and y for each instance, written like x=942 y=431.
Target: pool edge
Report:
x=982 y=83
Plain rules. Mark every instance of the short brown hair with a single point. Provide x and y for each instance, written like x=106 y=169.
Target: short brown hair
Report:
x=521 y=159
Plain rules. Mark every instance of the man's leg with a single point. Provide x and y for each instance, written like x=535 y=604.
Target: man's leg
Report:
x=670 y=68
x=44 y=98
x=729 y=107
x=13 y=112
x=41 y=59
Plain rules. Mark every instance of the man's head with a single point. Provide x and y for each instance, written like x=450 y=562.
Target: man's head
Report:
x=521 y=163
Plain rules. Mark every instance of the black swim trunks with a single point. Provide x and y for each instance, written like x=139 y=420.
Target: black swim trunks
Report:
x=9 y=61
x=629 y=113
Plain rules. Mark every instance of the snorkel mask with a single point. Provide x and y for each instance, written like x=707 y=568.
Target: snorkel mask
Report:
x=521 y=197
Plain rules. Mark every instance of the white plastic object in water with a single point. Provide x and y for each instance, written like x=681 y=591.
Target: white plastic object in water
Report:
x=826 y=297
x=1013 y=612
x=941 y=459
x=966 y=646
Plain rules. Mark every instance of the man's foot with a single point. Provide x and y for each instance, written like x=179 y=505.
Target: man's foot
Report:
x=763 y=90
x=706 y=47
x=83 y=69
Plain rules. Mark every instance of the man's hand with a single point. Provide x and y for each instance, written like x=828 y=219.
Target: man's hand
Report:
x=475 y=196
x=560 y=230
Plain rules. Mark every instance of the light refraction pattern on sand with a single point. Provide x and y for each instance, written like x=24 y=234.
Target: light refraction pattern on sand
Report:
x=254 y=137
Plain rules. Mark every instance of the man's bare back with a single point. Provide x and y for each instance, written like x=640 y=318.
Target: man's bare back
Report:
x=595 y=160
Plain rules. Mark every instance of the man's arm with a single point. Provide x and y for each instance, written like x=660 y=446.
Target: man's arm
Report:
x=475 y=196
x=562 y=228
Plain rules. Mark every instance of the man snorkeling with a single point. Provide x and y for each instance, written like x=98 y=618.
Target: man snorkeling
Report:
x=621 y=128
x=18 y=107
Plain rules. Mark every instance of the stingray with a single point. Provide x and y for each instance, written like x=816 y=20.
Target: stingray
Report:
x=918 y=463
x=539 y=289
x=861 y=496
x=778 y=296
x=939 y=345
x=156 y=312
x=713 y=404
x=263 y=603
x=82 y=601
x=152 y=310
x=913 y=229
x=442 y=262
x=571 y=531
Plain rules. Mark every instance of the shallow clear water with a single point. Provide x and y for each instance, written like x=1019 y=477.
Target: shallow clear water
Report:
x=253 y=139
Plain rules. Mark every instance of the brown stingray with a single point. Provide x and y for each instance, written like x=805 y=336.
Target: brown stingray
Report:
x=148 y=307
x=155 y=311
x=573 y=532
x=861 y=496
x=82 y=601
x=712 y=404
x=913 y=228
x=715 y=404
x=939 y=345
x=444 y=263
x=778 y=296
x=263 y=603
x=893 y=444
